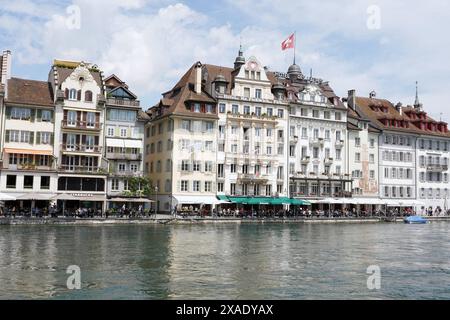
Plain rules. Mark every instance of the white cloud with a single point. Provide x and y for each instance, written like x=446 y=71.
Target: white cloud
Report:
x=150 y=44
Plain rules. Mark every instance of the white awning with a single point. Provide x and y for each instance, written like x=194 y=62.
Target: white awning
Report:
x=366 y=201
x=6 y=197
x=401 y=203
x=36 y=196
x=197 y=200
x=138 y=144
x=120 y=143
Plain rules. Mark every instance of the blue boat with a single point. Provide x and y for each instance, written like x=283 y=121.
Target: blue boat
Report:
x=415 y=220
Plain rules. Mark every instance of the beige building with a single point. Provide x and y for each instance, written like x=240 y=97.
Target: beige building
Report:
x=181 y=145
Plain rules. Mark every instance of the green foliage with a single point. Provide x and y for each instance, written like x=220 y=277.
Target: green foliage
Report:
x=139 y=187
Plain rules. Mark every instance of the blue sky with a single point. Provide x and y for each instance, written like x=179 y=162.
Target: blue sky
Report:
x=151 y=43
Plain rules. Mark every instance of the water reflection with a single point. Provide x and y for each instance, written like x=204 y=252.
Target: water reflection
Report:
x=298 y=261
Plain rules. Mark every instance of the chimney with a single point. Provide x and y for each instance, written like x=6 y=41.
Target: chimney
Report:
x=5 y=68
x=351 y=98
x=372 y=95
x=398 y=107
x=198 y=78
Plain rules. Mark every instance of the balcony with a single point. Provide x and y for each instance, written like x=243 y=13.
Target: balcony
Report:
x=122 y=102
x=293 y=139
x=29 y=167
x=305 y=160
x=81 y=148
x=81 y=125
x=251 y=117
x=316 y=142
x=261 y=178
x=437 y=167
x=82 y=169
x=328 y=160
x=339 y=144
x=125 y=173
x=124 y=156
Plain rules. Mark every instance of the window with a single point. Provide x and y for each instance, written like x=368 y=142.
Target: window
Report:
x=72 y=94
x=337 y=116
x=222 y=107
x=269 y=112
x=28 y=182
x=184 y=185
x=234 y=109
x=316 y=114
x=233 y=168
x=123 y=132
x=246 y=109
x=304 y=132
x=110 y=131
x=372 y=143
x=44 y=137
x=304 y=112
x=196 y=166
x=196 y=186
x=357 y=142
x=121 y=167
x=280 y=113
x=258 y=111
x=197 y=107
x=208 y=186
x=45 y=182
x=46 y=116
x=269 y=132
x=372 y=174
x=20 y=113
x=71 y=118
x=371 y=158
x=88 y=96
x=326 y=115
x=185 y=165
x=121 y=115
x=258 y=93
x=357 y=157
x=247 y=92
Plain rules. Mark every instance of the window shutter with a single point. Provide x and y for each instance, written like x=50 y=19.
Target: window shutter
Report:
x=83 y=139
x=79 y=95
x=8 y=113
x=65 y=115
x=179 y=166
x=178 y=186
x=96 y=139
x=64 y=138
x=7 y=136
x=78 y=139
x=38 y=115
x=31 y=137
x=38 y=138
x=52 y=138
x=66 y=93
x=52 y=114
x=33 y=115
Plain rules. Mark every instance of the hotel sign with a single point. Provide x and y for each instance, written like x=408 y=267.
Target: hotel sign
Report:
x=82 y=195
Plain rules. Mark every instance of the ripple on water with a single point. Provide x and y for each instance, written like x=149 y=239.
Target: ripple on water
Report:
x=226 y=261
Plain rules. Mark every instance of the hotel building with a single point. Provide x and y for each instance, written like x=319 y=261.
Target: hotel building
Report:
x=181 y=146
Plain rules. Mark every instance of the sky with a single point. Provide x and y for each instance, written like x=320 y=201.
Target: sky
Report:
x=379 y=45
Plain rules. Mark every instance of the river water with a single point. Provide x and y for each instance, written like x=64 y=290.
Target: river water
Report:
x=248 y=261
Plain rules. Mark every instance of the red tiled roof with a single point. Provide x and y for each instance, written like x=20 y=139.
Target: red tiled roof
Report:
x=30 y=92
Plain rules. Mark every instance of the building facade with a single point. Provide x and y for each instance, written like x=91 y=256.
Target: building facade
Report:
x=317 y=133
x=252 y=129
x=124 y=138
x=181 y=146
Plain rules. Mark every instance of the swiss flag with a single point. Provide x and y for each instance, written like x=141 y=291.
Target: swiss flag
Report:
x=288 y=43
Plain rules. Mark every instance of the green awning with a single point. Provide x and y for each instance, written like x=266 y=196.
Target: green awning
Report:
x=259 y=201
x=298 y=202
x=238 y=200
x=222 y=197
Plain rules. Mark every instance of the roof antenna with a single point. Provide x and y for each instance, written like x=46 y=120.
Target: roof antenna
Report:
x=416 y=103
x=311 y=73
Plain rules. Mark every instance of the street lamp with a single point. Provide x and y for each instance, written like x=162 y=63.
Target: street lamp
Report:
x=156 y=203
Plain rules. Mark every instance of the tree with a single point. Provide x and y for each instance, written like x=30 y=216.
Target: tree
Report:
x=139 y=187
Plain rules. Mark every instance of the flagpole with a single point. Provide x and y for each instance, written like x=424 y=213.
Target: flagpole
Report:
x=295 y=43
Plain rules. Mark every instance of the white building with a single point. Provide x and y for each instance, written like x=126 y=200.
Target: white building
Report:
x=317 y=138
x=79 y=95
x=252 y=130
x=397 y=150
x=181 y=146
x=124 y=138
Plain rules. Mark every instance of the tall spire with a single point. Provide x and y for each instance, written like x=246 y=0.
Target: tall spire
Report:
x=240 y=60
x=417 y=103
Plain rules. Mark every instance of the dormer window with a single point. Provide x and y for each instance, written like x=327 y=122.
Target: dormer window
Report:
x=72 y=94
x=323 y=99
x=196 y=107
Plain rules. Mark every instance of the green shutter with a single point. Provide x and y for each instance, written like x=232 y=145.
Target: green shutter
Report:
x=38 y=138
x=7 y=136
x=31 y=137
x=52 y=138
x=33 y=115
x=38 y=115
x=8 y=113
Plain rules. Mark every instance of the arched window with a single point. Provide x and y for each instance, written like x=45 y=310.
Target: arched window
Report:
x=73 y=94
x=88 y=96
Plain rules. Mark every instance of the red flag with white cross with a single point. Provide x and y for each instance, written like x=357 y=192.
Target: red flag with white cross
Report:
x=289 y=43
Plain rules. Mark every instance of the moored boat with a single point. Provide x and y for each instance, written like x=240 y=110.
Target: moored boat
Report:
x=415 y=220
